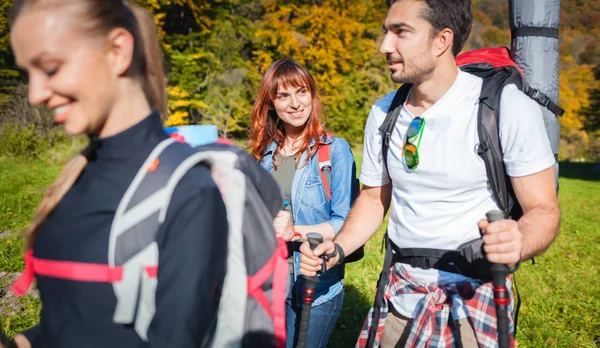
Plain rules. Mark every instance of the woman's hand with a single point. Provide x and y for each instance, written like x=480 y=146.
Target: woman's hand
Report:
x=20 y=341
x=283 y=225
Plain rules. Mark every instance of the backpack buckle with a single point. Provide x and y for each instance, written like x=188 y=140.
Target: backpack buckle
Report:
x=483 y=147
x=326 y=168
x=537 y=95
x=541 y=98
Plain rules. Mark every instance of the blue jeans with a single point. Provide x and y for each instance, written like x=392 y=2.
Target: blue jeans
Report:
x=320 y=326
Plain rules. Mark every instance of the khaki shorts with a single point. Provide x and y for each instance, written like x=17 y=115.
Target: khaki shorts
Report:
x=397 y=329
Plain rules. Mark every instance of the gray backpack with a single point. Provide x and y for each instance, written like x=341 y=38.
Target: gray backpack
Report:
x=252 y=305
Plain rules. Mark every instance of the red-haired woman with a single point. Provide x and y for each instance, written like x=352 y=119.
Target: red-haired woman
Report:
x=286 y=132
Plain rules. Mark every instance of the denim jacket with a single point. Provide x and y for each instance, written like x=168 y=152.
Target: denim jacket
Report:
x=310 y=206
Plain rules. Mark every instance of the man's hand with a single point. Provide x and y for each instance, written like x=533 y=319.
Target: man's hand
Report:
x=310 y=262
x=283 y=225
x=365 y=217
x=502 y=241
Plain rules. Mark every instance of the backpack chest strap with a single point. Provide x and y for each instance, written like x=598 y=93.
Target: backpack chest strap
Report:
x=70 y=270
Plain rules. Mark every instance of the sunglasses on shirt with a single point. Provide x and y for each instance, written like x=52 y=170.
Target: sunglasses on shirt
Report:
x=411 y=151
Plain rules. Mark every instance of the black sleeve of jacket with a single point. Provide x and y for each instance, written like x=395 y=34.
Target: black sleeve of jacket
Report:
x=31 y=334
x=192 y=246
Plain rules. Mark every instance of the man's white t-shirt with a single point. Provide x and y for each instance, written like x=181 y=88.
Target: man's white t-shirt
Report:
x=438 y=204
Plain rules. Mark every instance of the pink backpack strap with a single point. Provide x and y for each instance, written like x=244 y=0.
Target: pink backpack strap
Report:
x=224 y=141
x=325 y=167
x=277 y=267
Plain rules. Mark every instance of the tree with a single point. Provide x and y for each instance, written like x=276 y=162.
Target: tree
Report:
x=9 y=77
x=217 y=50
x=591 y=113
x=574 y=82
x=337 y=43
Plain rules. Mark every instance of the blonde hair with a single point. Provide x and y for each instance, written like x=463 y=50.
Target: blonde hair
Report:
x=100 y=17
x=54 y=195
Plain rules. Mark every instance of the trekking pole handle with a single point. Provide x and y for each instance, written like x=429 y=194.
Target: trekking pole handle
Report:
x=501 y=295
x=314 y=239
x=308 y=294
x=494 y=215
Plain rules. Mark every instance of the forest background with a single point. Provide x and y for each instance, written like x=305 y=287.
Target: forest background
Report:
x=217 y=50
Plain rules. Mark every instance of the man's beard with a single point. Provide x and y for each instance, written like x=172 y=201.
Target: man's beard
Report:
x=415 y=70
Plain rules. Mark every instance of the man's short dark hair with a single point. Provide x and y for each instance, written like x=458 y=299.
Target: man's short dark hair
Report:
x=455 y=15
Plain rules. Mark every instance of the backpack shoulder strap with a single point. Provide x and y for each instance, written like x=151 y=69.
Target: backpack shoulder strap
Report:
x=488 y=120
x=387 y=127
x=325 y=167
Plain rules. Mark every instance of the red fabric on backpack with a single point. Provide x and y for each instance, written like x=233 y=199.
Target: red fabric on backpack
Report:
x=324 y=159
x=224 y=141
x=76 y=271
x=278 y=268
x=497 y=57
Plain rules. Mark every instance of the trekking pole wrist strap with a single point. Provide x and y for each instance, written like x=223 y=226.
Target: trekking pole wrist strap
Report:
x=338 y=251
x=341 y=254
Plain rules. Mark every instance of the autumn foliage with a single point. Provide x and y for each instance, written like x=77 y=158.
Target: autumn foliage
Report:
x=217 y=50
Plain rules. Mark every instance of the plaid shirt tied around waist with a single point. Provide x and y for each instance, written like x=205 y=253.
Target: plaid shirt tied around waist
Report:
x=430 y=326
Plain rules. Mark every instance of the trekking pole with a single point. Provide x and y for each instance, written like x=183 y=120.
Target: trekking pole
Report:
x=308 y=294
x=501 y=296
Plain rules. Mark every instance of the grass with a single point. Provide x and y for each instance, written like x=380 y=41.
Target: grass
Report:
x=22 y=185
x=560 y=293
x=561 y=307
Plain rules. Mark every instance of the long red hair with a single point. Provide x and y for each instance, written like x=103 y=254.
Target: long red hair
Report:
x=264 y=126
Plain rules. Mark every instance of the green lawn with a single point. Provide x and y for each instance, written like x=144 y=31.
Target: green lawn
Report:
x=561 y=305
x=560 y=293
x=22 y=185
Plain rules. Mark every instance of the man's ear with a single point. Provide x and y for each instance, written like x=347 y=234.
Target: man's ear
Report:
x=442 y=42
x=120 y=44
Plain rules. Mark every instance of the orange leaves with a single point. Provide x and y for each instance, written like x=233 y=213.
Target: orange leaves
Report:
x=326 y=39
x=574 y=83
